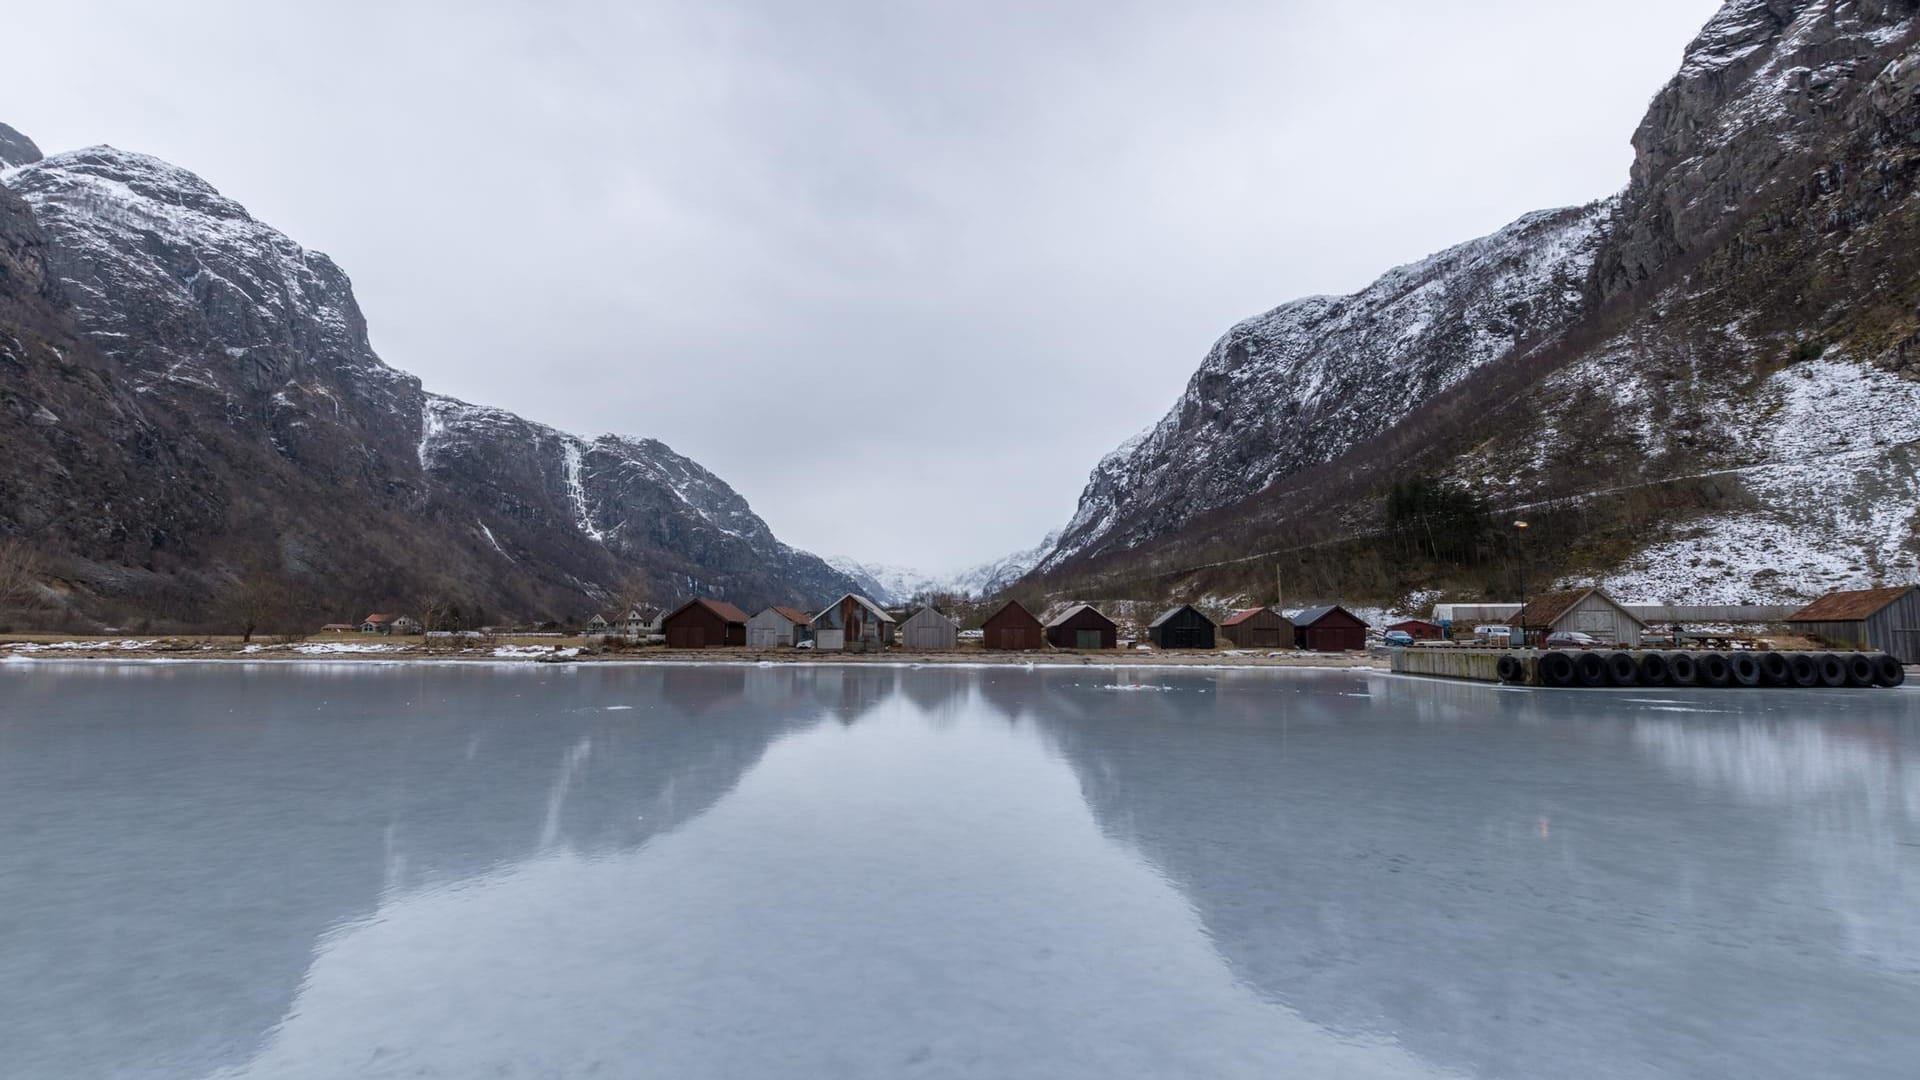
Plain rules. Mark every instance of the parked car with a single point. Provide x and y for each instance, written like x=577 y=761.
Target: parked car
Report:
x=1573 y=639
x=1492 y=635
x=1398 y=637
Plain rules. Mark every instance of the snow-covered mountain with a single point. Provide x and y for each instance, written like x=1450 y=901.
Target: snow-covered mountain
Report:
x=1707 y=377
x=899 y=584
x=1306 y=382
x=257 y=435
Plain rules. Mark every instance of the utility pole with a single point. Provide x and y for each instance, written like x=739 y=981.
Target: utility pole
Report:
x=1279 y=590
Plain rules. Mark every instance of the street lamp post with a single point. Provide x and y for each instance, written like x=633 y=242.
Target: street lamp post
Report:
x=1520 y=531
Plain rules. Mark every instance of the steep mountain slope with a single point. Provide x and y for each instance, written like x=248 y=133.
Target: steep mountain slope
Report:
x=1704 y=384
x=1309 y=380
x=300 y=456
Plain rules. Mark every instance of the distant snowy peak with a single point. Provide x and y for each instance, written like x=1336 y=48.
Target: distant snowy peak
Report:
x=1306 y=382
x=882 y=583
x=899 y=584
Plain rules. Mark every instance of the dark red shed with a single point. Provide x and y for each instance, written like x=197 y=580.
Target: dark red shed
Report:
x=1258 y=628
x=1013 y=627
x=1419 y=629
x=1082 y=626
x=1331 y=628
x=705 y=624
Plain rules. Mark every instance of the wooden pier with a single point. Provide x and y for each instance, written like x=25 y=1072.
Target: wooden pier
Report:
x=1596 y=668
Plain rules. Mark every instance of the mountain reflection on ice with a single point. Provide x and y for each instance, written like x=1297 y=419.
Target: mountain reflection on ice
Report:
x=320 y=871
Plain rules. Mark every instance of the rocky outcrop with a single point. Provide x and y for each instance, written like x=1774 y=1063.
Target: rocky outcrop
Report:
x=1765 y=88
x=228 y=381
x=16 y=149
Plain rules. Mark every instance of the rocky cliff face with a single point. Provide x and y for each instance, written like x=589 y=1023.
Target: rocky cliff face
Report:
x=1743 y=311
x=229 y=370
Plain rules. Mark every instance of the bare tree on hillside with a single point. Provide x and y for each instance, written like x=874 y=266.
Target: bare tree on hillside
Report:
x=635 y=594
x=434 y=607
x=258 y=602
x=21 y=568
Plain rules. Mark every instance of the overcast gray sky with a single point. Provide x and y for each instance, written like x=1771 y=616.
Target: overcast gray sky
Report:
x=989 y=240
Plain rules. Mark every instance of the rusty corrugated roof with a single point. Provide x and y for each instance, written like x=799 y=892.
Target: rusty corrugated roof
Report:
x=721 y=608
x=1548 y=608
x=1239 y=617
x=1849 y=606
x=793 y=616
x=1061 y=619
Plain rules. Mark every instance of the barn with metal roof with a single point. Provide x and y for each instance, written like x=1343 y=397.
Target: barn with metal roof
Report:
x=1258 y=628
x=852 y=623
x=1082 y=626
x=1885 y=619
x=1183 y=627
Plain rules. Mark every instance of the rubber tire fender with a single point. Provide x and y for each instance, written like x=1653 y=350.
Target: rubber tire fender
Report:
x=1556 y=669
x=1861 y=670
x=1714 y=670
x=1622 y=670
x=1744 y=668
x=1592 y=669
x=1682 y=669
x=1511 y=669
x=1774 y=669
x=1833 y=670
x=1804 y=671
x=1888 y=671
x=1653 y=669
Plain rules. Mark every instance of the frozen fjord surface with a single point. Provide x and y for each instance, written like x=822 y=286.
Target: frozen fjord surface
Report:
x=426 y=871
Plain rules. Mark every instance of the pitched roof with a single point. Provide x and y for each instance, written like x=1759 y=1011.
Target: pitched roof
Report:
x=792 y=615
x=1061 y=619
x=1012 y=605
x=1311 y=615
x=376 y=619
x=1850 y=606
x=1175 y=610
x=721 y=608
x=878 y=611
x=1239 y=617
x=1549 y=608
x=936 y=613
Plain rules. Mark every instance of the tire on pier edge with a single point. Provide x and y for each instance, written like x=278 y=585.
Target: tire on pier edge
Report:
x=1653 y=669
x=1774 y=669
x=1714 y=670
x=1590 y=668
x=1833 y=670
x=1622 y=670
x=1511 y=669
x=1803 y=670
x=1861 y=670
x=1744 y=668
x=1888 y=671
x=1682 y=670
x=1556 y=669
